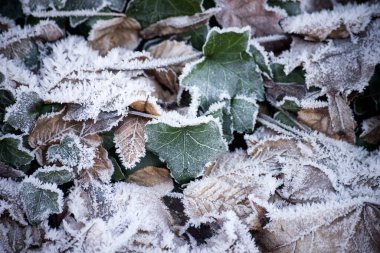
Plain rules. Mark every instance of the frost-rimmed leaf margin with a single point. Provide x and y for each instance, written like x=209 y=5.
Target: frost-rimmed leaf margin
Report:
x=54 y=174
x=28 y=155
x=180 y=126
x=35 y=218
x=249 y=84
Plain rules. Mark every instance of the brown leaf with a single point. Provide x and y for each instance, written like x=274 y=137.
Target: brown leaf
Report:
x=251 y=13
x=102 y=169
x=278 y=91
x=130 y=141
x=339 y=23
x=151 y=176
x=175 y=25
x=117 y=32
x=335 y=226
x=342 y=120
x=168 y=77
x=145 y=106
x=371 y=130
x=51 y=127
x=319 y=119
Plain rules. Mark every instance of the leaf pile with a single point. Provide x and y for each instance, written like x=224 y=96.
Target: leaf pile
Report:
x=189 y=126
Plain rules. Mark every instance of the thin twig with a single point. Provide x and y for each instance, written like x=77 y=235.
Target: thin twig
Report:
x=79 y=13
x=142 y=114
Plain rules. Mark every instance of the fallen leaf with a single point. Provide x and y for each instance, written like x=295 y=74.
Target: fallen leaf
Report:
x=254 y=13
x=340 y=22
x=319 y=119
x=175 y=25
x=52 y=127
x=371 y=130
x=117 y=32
x=350 y=225
x=102 y=169
x=130 y=141
x=151 y=176
x=145 y=106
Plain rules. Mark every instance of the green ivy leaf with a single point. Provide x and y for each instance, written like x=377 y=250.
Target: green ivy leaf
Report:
x=22 y=114
x=67 y=152
x=186 y=148
x=12 y=152
x=227 y=68
x=148 y=12
x=221 y=111
x=244 y=111
x=6 y=99
x=54 y=174
x=39 y=199
x=296 y=76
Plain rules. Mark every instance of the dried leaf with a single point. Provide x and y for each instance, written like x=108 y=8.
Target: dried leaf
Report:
x=351 y=225
x=254 y=13
x=341 y=116
x=371 y=130
x=175 y=25
x=117 y=32
x=145 y=106
x=341 y=22
x=52 y=127
x=101 y=170
x=319 y=119
x=130 y=141
x=151 y=176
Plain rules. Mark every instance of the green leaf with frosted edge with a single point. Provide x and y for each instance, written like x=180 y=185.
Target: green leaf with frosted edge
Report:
x=12 y=152
x=259 y=59
x=22 y=115
x=67 y=152
x=39 y=201
x=296 y=76
x=118 y=174
x=226 y=68
x=56 y=175
x=6 y=99
x=244 y=112
x=148 y=12
x=224 y=116
x=186 y=149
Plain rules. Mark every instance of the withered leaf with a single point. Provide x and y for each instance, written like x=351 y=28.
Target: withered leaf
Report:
x=52 y=127
x=371 y=130
x=341 y=22
x=253 y=13
x=346 y=226
x=102 y=169
x=117 y=32
x=319 y=119
x=151 y=176
x=175 y=25
x=130 y=141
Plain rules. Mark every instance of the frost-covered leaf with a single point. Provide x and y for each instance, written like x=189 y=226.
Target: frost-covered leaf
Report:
x=40 y=199
x=102 y=168
x=231 y=181
x=117 y=32
x=371 y=130
x=148 y=12
x=175 y=25
x=54 y=174
x=129 y=140
x=22 y=115
x=349 y=225
x=52 y=127
x=7 y=171
x=10 y=201
x=244 y=111
x=226 y=70
x=95 y=82
x=186 y=146
x=71 y=152
x=12 y=152
x=262 y=19
x=341 y=22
